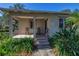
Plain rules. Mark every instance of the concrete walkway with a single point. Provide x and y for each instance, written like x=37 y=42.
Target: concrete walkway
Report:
x=43 y=52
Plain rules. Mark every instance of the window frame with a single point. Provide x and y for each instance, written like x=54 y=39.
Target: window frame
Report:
x=31 y=24
x=61 y=22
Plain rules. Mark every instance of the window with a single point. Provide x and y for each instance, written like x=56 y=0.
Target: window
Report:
x=31 y=24
x=60 y=23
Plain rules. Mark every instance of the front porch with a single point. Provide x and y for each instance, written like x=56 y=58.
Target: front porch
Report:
x=33 y=28
x=29 y=26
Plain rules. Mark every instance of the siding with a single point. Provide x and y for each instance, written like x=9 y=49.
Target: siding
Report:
x=53 y=25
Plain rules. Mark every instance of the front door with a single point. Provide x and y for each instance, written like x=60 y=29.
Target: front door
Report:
x=41 y=25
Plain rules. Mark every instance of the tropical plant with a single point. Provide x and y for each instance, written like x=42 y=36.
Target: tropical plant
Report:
x=66 y=41
x=8 y=45
x=16 y=46
x=5 y=19
x=73 y=20
x=66 y=10
x=17 y=6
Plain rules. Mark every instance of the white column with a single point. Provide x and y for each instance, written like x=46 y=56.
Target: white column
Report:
x=10 y=26
x=34 y=27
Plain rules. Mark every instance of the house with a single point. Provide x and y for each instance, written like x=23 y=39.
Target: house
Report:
x=33 y=22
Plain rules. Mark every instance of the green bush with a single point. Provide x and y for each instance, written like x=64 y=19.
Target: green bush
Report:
x=3 y=36
x=13 y=46
x=66 y=42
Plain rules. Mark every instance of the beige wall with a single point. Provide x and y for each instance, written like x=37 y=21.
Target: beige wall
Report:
x=23 y=24
x=52 y=23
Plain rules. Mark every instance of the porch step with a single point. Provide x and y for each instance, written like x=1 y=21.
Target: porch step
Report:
x=41 y=38
x=43 y=47
x=42 y=42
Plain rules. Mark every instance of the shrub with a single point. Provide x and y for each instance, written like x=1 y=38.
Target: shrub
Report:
x=3 y=36
x=16 y=46
x=66 y=42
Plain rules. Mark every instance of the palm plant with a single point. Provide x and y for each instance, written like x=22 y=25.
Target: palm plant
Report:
x=67 y=40
x=4 y=19
x=11 y=46
x=17 y=6
x=73 y=20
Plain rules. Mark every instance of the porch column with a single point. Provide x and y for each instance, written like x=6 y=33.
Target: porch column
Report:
x=34 y=27
x=10 y=26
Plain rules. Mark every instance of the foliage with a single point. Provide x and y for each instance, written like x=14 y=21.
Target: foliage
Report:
x=4 y=21
x=66 y=41
x=13 y=46
x=17 y=6
x=3 y=36
x=8 y=45
x=66 y=10
x=73 y=20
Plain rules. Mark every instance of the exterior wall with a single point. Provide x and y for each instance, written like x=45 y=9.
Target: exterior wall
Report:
x=53 y=25
x=23 y=24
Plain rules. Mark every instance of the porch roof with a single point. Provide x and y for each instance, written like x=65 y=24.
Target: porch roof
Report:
x=32 y=11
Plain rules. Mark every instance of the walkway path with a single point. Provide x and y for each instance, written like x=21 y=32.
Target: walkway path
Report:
x=43 y=52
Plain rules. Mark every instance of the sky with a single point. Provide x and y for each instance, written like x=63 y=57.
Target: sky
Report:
x=46 y=6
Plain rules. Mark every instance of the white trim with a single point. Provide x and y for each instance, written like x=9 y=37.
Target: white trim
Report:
x=34 y=26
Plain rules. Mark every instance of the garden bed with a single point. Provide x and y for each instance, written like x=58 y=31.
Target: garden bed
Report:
x=65 y=43
x=16 y=47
